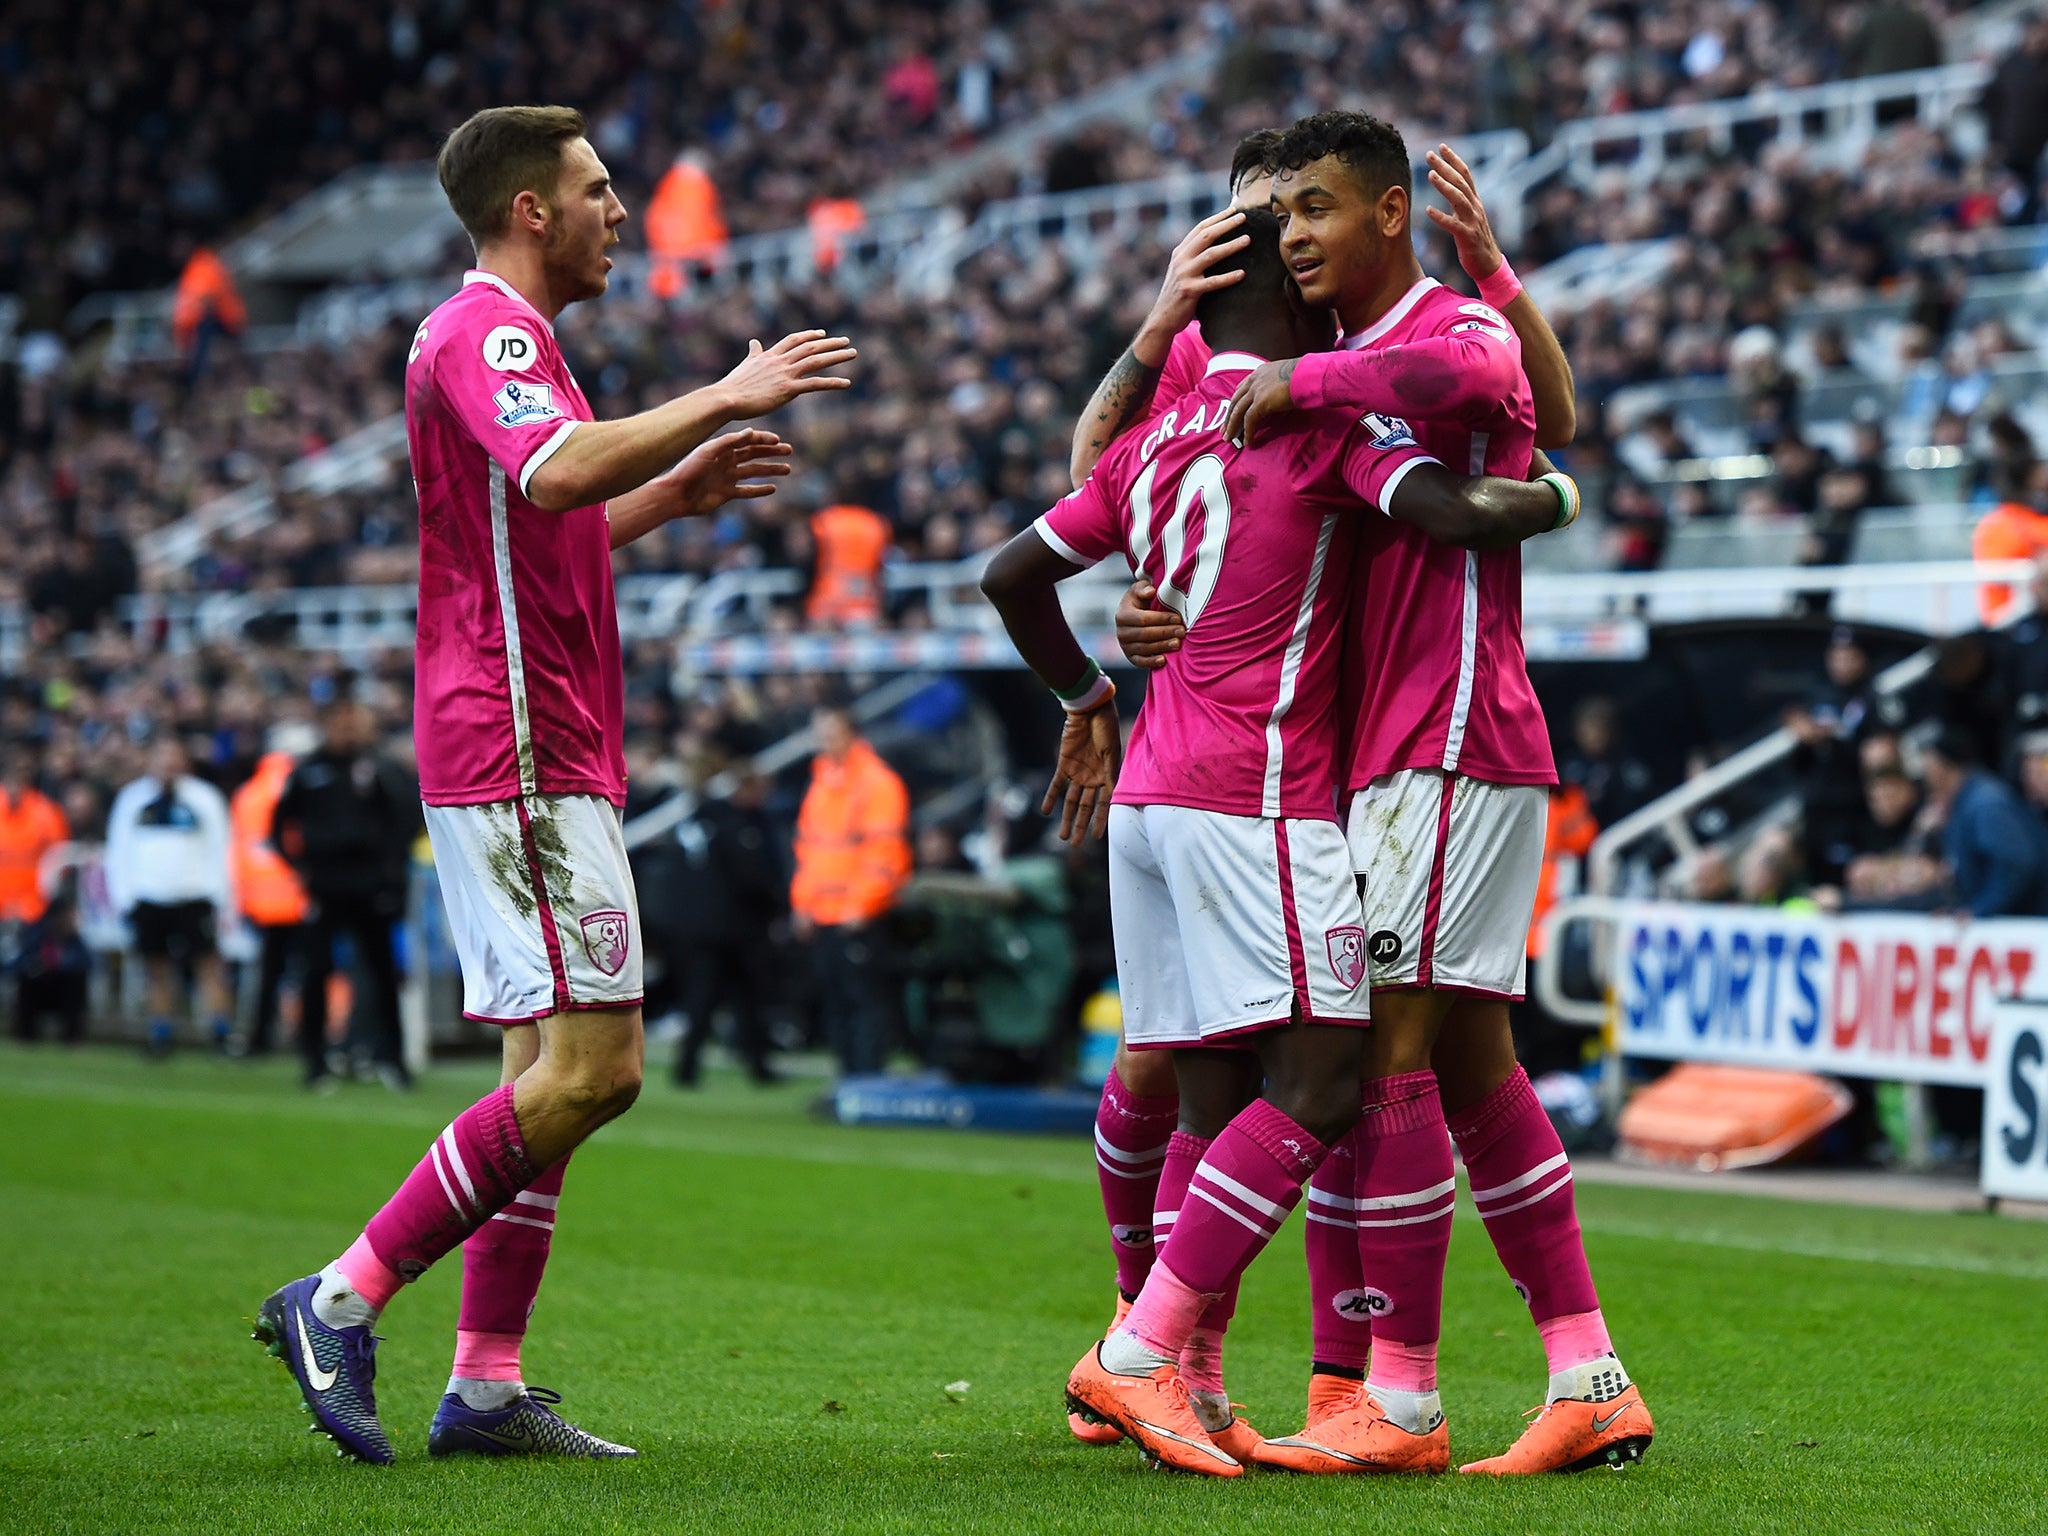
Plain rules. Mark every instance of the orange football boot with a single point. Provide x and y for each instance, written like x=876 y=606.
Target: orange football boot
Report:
x=1360 y=1439
x=1153 y=1410
x=1237 y=1439
x=1101 y=1434
x=1571 y=1435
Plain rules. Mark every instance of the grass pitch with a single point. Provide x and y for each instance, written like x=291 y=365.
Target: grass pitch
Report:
x=772 y=1310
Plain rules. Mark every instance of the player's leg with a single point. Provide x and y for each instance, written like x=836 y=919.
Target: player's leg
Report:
x=1215 y=1086
x=1133 y=1124
x=518 y=941
x=1520 y=1176
x=316 y=969
x=1290 y=894
x=210 y=976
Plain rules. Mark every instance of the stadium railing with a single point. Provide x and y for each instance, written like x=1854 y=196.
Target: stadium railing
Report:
x=1835 y=122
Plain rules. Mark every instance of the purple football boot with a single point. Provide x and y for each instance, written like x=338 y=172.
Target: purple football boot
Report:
x=528 y=1427
x=336 y=1369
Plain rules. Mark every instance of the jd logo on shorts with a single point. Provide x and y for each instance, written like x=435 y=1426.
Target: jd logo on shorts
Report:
x=607 y=939
x=1386 y=947
x=1347 y=954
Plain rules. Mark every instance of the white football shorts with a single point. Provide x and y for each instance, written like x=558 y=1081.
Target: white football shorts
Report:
x=1227 y=925
x=540 y=900
x=1447 y=871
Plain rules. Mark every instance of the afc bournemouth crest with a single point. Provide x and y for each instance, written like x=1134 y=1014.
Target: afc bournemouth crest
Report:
x=1347 y=954
x=607 y=939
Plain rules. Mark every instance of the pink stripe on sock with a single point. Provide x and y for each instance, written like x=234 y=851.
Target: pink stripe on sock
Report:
x=1340 y=1324
x=1573 y=1340
x=487 y=1356
x=504 y=1259
x=374 y=1280
x=1521 y=1182
x=1166 y=1312
x=469 y=1174
x=1132 y=1134
x=1403 y=1367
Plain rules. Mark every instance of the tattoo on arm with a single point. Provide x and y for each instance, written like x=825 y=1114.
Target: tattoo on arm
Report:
x=1122 y=397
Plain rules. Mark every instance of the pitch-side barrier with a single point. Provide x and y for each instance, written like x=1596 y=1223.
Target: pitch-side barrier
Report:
x=1900 y=997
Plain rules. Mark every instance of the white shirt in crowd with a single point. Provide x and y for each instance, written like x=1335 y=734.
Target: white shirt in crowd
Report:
x=165 y=849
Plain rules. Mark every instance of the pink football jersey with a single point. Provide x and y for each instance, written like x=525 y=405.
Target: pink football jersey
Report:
x=1254 y=549
x=1435 y=676
x=520 y=686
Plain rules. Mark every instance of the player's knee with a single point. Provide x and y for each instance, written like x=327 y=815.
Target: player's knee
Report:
x=1148 y=1074
x=1325 y=1108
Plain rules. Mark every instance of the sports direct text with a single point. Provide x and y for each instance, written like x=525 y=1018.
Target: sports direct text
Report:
x=1890 y=995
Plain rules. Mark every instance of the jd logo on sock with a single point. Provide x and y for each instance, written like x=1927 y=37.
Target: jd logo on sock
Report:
x=1362 y=1305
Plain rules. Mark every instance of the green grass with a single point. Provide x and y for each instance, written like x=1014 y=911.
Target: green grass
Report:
x=729 y=1271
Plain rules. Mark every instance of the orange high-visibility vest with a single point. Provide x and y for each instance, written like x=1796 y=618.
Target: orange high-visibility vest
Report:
x=205 y=287
x=1569 y=829
x=2009 y=531
x=684 y=223
x=267 y=888
x=29 y=828
x=831 y=220
x=852 y=850
x=848 y=587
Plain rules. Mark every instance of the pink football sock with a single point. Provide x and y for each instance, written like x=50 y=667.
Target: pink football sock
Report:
x=1405 y=1194
x=1131 y=1135
x=1241 y=1192
x=469 y=1174
x=502 y=1264
x=1202 y=1360
x=1522 y=1184
x=1340 y=1319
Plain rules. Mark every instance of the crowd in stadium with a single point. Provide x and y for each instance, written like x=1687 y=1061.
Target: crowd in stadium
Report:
x=956 y=432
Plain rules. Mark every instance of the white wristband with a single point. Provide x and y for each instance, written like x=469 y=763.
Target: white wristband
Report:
x=1567 y=498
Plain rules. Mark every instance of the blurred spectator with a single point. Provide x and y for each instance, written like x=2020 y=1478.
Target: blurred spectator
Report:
x=267 y=888
x=52 y=974
x=2016 y=115
x=1995 y=843
x=1568 y=836
x=206 y=305
x=168 y=875
x=1612 y=779
x=2033 y=770
x=1896 y=862
x=1892 y=37
x=347 y=821
x=1767 y=874
x=852 y=857
x=2021 y=657
x=30 y=826
x=1830 y=728
x=722 y=897
x=846 y=587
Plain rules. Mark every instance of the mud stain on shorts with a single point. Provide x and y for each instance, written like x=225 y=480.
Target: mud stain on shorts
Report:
x=505 y=856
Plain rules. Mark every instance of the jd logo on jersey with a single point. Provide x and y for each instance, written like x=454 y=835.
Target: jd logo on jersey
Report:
x=1347 y=954
x=508 y=349
x=607 y=939
x=520 y=404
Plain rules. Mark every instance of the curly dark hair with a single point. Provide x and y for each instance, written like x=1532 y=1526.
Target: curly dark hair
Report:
x=1254 y=155
x=1370 y=147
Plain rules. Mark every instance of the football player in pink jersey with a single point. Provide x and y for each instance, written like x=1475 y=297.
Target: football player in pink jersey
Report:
x=1164 y=359
x=1449 y=764
x=520 y=722
x=1239 y=940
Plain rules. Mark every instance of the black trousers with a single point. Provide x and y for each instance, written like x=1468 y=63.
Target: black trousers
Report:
x=852 y=982
x=62 y=993
x=281 y=943
x=719 y=975
x=374 y=1023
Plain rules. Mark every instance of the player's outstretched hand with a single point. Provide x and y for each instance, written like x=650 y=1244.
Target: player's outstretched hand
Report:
x=1188 y=276
x=1466 y=222
x=1263 y=395
x=1091 y=751
x=1146 y=634
x=796 y=365
x=739 y=466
